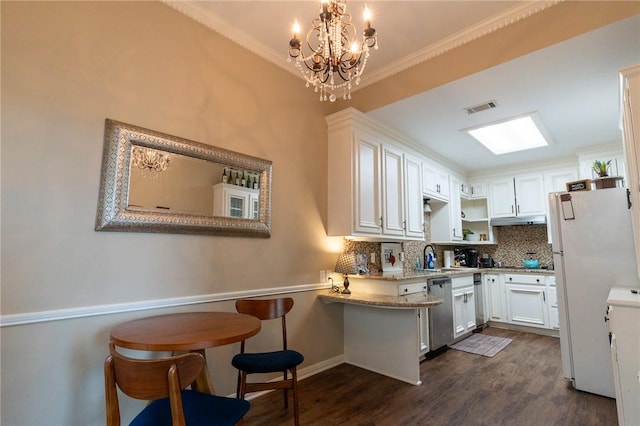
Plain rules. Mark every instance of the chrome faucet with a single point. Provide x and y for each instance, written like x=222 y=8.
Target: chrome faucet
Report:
x=424 y=255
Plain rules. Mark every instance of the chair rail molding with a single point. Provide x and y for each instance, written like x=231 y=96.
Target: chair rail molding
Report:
x=144 y=305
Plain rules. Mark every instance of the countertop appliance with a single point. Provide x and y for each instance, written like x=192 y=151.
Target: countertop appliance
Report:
x=440 y=317
x=467 y=257
x=471 y=256
x=592 y=252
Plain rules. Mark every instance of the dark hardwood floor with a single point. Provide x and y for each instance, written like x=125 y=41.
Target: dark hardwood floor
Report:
x=521 y=385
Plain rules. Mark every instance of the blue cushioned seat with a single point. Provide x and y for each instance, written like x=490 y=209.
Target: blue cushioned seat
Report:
x=267 y=362
x=199 y=409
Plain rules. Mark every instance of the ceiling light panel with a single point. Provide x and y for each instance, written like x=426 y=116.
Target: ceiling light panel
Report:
x=512 y=135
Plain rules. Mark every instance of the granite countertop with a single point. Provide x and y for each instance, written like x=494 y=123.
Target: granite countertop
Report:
x=416 y=300
x=448 y=272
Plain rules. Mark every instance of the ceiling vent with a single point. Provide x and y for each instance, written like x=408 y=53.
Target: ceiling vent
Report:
x=481 y=107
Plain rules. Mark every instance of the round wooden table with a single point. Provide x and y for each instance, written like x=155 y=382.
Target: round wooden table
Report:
x=190 y=331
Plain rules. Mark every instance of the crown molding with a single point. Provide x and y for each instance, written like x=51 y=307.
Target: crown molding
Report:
x=195 y=11
x=458 y=39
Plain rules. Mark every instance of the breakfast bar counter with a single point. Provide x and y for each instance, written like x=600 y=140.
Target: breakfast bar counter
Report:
x=409 y=301
x=383 y=333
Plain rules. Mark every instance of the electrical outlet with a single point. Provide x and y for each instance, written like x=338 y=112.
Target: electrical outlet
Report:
x=373 y=257
x=323 y=276
x=328 y=272
x=401 y=256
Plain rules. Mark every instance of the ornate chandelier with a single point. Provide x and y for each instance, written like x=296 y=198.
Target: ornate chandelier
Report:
x=333 y=60
x=150 y=160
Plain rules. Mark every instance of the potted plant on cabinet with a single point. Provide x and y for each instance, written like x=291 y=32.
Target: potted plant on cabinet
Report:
x=602 y=170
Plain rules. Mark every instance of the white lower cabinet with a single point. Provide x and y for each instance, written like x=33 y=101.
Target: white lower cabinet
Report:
x=423 y=329
x=624 y=316
x=527 y=300
x=495 y=288
x=464 y=305
x=422 y=314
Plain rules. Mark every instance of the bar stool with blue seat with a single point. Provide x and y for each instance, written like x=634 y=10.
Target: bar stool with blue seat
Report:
x=285 y=360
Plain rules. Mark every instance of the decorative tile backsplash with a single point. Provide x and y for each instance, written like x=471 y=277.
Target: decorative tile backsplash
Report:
x=514 y=242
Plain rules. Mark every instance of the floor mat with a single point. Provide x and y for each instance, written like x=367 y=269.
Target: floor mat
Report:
x=482 y=344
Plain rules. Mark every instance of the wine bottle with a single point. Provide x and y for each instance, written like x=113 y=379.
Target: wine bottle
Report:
x=225 y=177
x=249 y=182
x=237 y=178
x=243 y=181
x=255 y=183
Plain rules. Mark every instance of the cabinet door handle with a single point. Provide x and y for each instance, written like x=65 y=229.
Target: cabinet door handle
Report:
x=511 y=208
x=380 y=221
x=518 y=208
x=544 y=297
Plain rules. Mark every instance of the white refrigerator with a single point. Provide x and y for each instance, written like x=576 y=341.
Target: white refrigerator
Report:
x=593 y=251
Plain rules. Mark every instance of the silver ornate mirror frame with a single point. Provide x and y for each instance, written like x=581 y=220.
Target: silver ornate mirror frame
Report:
x=113 y=214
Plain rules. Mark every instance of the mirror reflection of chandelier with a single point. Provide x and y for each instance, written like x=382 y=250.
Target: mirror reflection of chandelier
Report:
x=332 y=60
x=150 y=159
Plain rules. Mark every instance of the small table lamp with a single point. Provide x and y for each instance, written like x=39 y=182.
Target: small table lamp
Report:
x=346 y=264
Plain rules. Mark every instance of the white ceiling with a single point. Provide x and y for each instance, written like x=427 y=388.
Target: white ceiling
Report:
x=573 y=86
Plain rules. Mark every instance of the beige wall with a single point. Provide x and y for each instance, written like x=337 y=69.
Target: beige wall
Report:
x=66 y=66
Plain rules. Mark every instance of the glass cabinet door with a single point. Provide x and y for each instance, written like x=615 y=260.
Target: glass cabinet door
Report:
x=236 y=206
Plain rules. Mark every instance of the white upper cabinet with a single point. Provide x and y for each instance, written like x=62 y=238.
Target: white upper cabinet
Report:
x=465 y=189
x=366 y=185
x=519 y=196
x=478 y=189
x=630 y=82
x=370 y=195
x=556 y=181
x=446 y=218
x=502 y=198
x=455 y=209
x=414 y=226
x=530 y=198
x=435 y=181
x=235 y=201
x=393 y=192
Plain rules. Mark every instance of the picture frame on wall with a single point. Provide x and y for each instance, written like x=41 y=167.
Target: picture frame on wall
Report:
x=391 y=257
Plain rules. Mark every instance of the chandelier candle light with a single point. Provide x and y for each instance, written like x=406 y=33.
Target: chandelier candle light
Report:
x=335 y=60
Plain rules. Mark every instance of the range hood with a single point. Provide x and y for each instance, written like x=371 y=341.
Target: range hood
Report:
x=519 y=220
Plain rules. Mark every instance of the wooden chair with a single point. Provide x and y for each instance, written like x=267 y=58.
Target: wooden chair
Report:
x=162 y=381
x=284 y=360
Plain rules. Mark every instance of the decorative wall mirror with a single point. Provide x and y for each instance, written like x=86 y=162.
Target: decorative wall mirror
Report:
x=153 y=182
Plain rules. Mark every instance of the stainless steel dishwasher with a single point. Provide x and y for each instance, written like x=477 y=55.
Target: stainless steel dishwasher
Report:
x=440 y=316
x=479 y=298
